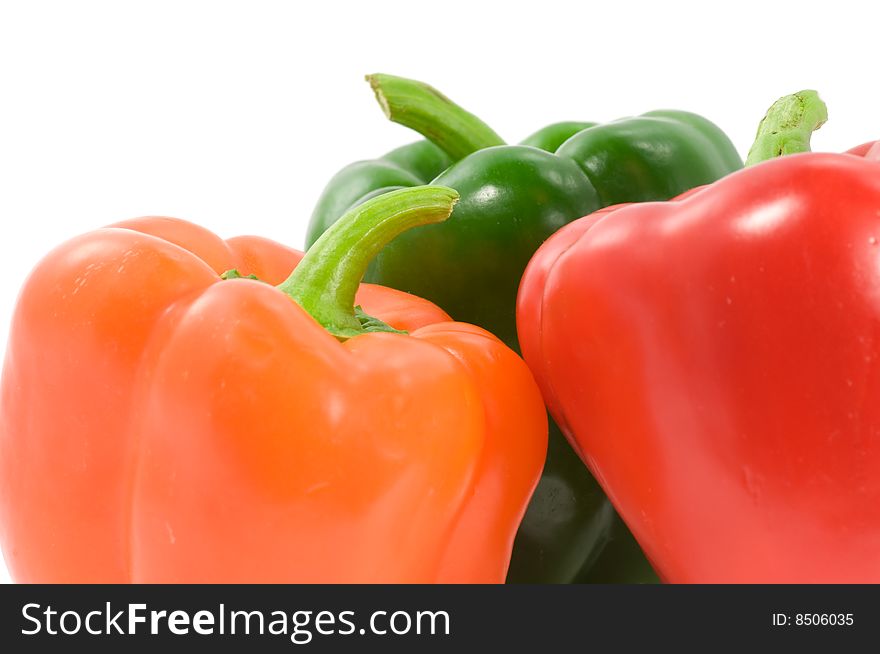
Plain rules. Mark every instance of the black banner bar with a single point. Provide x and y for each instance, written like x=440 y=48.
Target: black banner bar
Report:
x=432 y=618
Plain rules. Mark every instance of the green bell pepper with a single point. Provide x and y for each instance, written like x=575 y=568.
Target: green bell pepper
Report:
x=549 y=138
x=513 y=197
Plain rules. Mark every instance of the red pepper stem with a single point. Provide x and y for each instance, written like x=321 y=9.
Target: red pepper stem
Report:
x=423 y=108
x=326 y=280
x=787 y=127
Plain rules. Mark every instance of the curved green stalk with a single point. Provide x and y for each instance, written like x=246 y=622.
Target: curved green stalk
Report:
x=326 y=280
x=423 y=108
x=787 y=127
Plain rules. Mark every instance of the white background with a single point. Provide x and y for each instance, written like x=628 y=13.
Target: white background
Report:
x=235 y=114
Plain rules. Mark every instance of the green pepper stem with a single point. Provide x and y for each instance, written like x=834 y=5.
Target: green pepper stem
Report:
x=326 y=280
x=787 y=127
x=423 y=108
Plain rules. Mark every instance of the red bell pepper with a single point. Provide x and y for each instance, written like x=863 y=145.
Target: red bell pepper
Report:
x=715 y=360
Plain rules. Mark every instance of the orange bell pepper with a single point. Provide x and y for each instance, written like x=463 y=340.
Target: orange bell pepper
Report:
x=160 y=424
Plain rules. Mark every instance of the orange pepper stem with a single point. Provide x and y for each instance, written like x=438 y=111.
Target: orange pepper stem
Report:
x=327 y=278
x=787 y=127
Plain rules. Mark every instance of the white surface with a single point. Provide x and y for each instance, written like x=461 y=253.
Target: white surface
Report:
x=235 y=114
